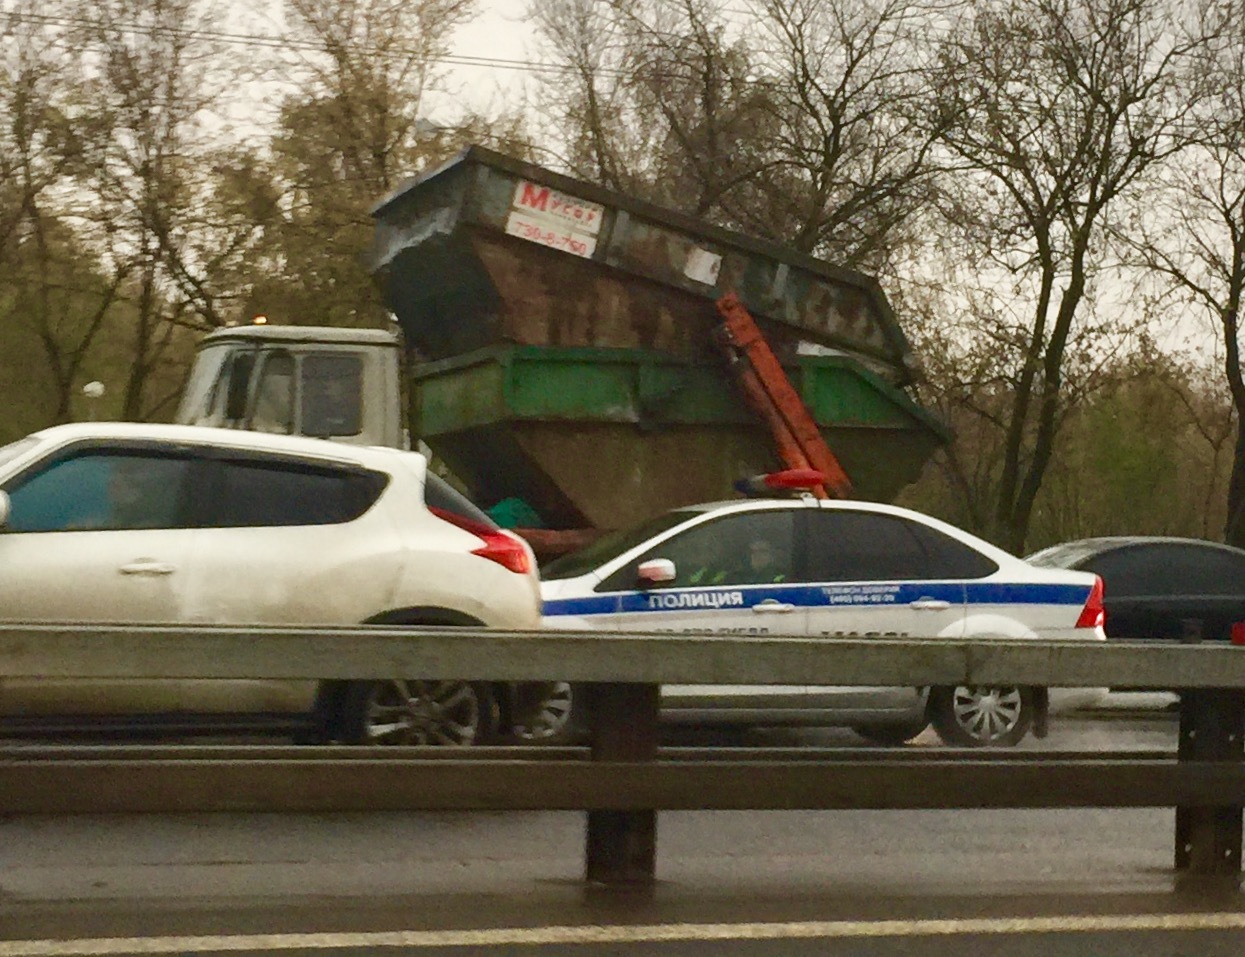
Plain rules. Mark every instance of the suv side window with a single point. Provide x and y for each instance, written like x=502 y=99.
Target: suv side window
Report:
x=271 y=493
x=866 y=546
x=102 y=490
x=747 y=548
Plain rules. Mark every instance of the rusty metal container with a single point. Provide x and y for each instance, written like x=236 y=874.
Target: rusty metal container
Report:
x=564 y=355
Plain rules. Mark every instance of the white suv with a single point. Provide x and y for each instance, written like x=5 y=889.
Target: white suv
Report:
x=824 y=569
x=137 y=523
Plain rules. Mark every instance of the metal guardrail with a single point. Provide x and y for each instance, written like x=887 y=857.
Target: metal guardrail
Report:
x=623 y=778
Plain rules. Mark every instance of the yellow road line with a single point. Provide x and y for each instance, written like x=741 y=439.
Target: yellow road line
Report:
x=616 y=934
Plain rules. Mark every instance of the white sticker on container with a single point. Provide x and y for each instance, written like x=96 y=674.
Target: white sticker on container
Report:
x=543 y=215
x=703 y=266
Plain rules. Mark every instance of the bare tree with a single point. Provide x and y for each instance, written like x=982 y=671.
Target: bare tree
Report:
x=1192 y=232
x=356 y=127
x=52 y=301
x=851 y=159
x=801 y=122
x=151 y=83
x=1054 y=109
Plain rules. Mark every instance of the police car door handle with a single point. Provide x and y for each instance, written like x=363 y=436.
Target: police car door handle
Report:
x=146 y=566
x=930 y=604
x=772 y=607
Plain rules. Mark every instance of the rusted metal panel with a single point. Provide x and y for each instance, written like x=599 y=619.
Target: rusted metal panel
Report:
x=488 y=249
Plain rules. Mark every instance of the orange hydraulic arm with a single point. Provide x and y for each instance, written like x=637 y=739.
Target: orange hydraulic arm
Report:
x=772 y=396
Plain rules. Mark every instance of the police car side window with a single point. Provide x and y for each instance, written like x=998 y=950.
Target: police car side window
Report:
x=740 y=549
x=865 y=546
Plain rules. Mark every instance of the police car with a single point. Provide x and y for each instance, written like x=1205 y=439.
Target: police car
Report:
x=823 y=568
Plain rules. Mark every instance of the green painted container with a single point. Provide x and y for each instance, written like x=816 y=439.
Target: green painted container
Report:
x=605 y=437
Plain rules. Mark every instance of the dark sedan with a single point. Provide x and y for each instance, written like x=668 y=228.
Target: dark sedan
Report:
x=1160 y=587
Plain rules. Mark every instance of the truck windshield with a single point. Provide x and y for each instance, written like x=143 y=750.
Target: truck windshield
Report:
x=611 y=546
x=196 y=405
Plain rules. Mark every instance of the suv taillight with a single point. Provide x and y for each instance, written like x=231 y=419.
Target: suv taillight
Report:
x=1093 y=615
x=499 y=546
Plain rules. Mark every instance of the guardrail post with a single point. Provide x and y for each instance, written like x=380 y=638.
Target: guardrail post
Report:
x=622 y=845
x=1208 y=839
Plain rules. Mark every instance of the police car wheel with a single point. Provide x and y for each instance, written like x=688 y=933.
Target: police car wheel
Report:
x=890 y=735
x=974 y=716
x=546 y=713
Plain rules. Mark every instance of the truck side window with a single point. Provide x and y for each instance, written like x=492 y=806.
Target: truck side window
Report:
x=332 y=399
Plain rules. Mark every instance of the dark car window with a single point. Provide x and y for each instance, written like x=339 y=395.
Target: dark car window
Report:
x=866 y=546
x=268 y=493
x=102 y=489
x=745 y=548
x=1169 y=568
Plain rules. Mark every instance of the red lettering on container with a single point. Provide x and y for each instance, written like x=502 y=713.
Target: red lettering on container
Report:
x=534 y=197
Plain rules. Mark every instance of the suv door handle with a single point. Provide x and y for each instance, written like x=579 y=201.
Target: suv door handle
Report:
x=930 y=604
x=772 y=607
x=146 y=566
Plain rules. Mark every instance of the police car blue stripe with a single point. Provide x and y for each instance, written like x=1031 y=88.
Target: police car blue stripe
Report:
x=1011 y=593
x=726 y=598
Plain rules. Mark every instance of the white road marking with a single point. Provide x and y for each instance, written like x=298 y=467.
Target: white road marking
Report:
x=621 y=934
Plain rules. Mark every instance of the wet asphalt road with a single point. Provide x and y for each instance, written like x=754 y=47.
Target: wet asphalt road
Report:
x=1085 y=882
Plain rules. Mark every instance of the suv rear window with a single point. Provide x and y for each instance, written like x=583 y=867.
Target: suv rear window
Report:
x=257 y=493
x=438 y=493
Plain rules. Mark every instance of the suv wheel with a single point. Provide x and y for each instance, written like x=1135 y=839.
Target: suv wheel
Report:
x=417 y=712
x=974 y=716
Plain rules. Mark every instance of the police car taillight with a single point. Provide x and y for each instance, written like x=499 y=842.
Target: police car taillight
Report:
x=499 y=546
x=1094 y=614
x=788 y=480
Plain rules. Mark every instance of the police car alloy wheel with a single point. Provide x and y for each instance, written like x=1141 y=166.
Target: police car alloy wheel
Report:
x=974 y=716
x=546 y=713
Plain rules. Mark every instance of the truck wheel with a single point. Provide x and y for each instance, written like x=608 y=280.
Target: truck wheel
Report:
x=417 y=712
x=974 y=716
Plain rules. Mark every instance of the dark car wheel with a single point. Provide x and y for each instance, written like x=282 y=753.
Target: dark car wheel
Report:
x=974 y=716
x=417 y=712
x=547 y=713
x=891 y=735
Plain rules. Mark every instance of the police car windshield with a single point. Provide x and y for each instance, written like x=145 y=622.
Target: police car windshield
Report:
x=610 y=545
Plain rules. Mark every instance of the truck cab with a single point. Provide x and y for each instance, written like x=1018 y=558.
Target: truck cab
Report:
x=339 y=384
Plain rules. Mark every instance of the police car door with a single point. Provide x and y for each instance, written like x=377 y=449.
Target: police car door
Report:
x=874 y=574
x=722 y=586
